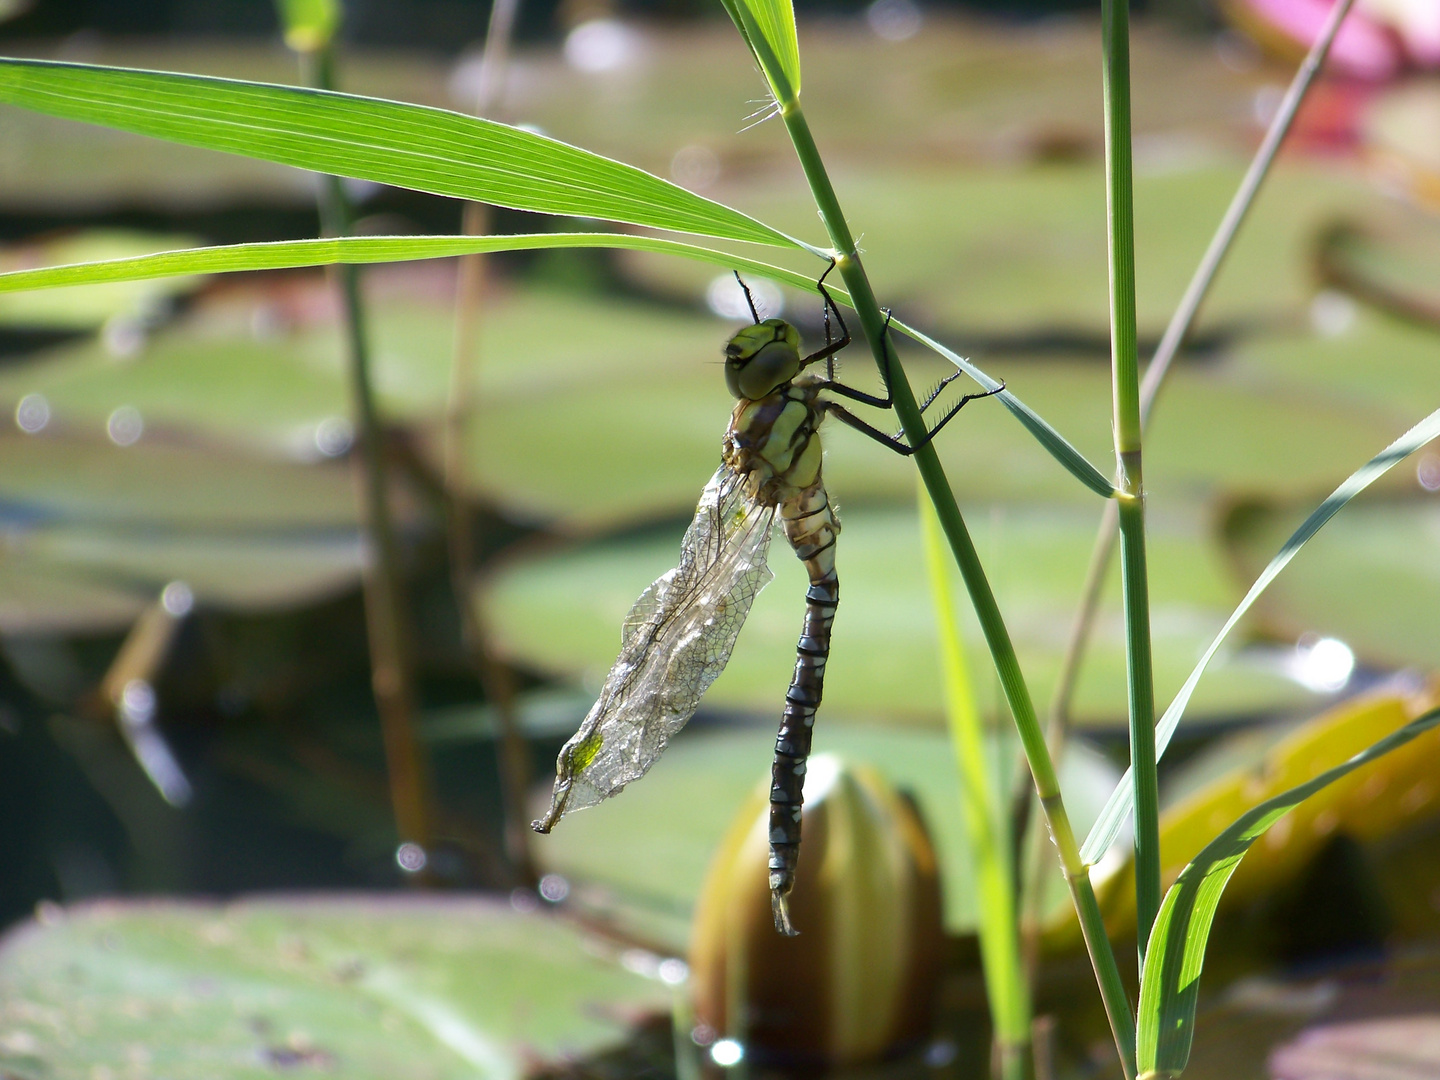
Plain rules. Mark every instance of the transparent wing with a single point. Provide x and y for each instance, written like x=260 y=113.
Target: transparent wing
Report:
x=674 y=643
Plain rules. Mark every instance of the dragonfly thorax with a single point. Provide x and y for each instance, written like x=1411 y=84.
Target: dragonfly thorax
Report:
x=761 y=358
x=772 y=442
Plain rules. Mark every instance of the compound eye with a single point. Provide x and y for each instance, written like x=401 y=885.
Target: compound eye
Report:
x=773 y=366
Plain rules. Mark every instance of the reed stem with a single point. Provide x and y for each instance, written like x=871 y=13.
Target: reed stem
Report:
x=1174 y=338
x=1119 y=198
x=1062 y=701
x=391 y=650
x=496 y=680
x=997 y=637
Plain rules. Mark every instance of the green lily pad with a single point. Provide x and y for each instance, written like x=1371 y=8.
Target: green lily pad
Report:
x=595 y=410
x=640 y=858
x=961 y=90
x=989 y=257
x=1372 y=364
x=1392 y=266
x=92 y=531
x=561 y=612
x=364 y=987
x=55 y=478
x=1371 y=577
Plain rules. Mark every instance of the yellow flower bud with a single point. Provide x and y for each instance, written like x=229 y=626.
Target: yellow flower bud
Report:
x=860 y=979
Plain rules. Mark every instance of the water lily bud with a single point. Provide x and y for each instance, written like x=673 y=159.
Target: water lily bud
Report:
x=860 y=979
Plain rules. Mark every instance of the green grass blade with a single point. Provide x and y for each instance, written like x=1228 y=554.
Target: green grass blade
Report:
x=290 y=254
x=1060 y=448
x=1102 y=835
x=763 y=31
x=1171 y=979
x=776 y=20
x=410 y=146
x=1005 y=984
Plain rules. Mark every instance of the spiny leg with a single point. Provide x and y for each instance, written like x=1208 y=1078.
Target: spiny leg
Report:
x=831 y=347
x=939 y=388
x=749 y=298
x=845 y=416
x=850 y=392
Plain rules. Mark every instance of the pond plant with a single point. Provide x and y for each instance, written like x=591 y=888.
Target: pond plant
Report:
x=470 y=158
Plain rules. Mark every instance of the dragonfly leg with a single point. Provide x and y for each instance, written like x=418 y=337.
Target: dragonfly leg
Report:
x=749 y=298
x=939 y=387
x=830 y=383
x=893 y=442
x=831 y=346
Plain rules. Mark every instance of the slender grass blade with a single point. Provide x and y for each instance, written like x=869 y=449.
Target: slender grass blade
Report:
x=410 y=146
x=1103 y=833
x=289 y=254
x=1171 y=980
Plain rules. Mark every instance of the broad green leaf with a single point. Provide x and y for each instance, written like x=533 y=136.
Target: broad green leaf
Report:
x=410 y=146
x=360 y=250
x=1118 y=809
x=377 y=249
x=776 y=20
x=309 y=24
x=1170 y=983
x=1240 y=771
x=446 y=988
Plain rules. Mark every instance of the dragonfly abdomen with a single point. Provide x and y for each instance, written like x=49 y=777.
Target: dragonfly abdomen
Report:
x=811 y=527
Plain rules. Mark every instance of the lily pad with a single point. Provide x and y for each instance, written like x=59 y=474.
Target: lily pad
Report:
x=562 y=611
x=1377 y=366
x=366 y=987
x=992 y=258
x=92 y=531
x=641 y=857
x=1394 y=268
x=962 y=89
x=1371 y=577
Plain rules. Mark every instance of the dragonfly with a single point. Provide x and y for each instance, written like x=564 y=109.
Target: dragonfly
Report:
x=680 y=633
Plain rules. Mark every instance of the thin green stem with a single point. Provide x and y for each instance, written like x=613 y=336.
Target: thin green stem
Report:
x=391 y=655
x=496 y=680
x=1005 y=984
x=1119 y=192
x=1174 y=338
x=1062 y=702
x=997 y=637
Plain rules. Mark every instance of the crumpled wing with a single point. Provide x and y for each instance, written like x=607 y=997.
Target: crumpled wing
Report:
x=674 y=643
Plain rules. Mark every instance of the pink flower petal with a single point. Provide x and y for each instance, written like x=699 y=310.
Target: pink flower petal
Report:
x=1362 y=48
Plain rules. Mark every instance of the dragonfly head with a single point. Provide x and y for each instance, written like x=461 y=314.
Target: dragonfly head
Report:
x=761 y=358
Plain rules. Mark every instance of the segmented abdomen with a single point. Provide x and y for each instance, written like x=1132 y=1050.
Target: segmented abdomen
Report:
x=811 y=527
